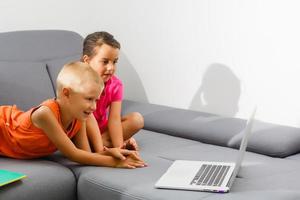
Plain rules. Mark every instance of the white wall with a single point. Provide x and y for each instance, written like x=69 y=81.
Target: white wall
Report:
x=211 y=55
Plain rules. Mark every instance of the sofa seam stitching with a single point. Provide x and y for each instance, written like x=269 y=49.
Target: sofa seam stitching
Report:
x=116 y=190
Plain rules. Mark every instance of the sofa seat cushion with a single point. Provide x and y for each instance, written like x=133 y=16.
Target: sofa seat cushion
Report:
x=280 y=194
x=45 y=180
x=254 y=179
x=25 y=84
x=254 y=166
x=127 y=184
x=114 y=184
x=164 y=143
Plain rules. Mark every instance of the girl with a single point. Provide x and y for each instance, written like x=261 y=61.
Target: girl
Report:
x=101 y=52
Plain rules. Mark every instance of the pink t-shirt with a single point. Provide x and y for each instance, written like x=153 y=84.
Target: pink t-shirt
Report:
x=113 y=91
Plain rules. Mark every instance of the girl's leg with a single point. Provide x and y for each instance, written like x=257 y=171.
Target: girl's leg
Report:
x=131 y=124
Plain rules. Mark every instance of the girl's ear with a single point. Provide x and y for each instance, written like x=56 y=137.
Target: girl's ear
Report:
x=85 y=58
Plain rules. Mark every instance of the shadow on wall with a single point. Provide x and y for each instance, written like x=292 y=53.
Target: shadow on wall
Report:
x=219 y=91
x=133 y=86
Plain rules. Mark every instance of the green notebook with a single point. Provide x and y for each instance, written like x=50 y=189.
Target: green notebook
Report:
x=7 y=177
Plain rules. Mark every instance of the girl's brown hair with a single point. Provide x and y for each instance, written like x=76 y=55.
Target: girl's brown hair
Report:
x=98 y=39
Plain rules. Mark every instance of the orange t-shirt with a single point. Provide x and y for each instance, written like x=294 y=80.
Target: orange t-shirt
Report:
x=19 y=138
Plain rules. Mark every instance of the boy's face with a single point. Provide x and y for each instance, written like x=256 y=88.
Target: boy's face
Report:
x=83 y=103
x=104 y=62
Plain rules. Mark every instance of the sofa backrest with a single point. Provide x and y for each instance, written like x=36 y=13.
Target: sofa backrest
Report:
x=266 y=138
x=30 y=62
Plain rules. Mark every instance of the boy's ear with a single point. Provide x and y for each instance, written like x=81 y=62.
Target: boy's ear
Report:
x=66 y=92
x=85 y=58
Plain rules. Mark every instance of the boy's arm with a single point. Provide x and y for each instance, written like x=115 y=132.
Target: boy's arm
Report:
x=81 y=140
x=44 y=119
x=94 y=135
x=89 y=134
x=115 y=125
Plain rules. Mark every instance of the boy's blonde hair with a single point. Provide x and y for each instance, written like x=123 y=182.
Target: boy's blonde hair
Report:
x=77 y=75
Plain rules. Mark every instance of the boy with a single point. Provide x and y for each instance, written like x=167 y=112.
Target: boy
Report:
x=50 y=126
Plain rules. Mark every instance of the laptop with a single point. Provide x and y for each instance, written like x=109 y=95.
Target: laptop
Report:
x=206 y=175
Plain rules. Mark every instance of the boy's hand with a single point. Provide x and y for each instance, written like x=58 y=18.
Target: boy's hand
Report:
x=131 y=144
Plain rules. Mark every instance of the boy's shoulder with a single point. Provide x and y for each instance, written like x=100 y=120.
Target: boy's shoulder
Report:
x=52 y=105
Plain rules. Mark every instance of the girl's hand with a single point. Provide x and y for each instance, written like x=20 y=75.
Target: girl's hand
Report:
x=121 y=154
x=115 y=152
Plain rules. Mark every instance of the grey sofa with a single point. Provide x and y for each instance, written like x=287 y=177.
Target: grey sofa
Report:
x=29 y=63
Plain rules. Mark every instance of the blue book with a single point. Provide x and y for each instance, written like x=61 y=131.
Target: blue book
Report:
x=7 y=177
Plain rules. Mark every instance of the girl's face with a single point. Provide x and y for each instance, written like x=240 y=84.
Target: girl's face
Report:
x=104 y=61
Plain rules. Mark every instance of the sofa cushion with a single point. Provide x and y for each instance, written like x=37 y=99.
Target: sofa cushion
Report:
x=200 y=126
x=39 y=45
x=254 y=165
x=55 y=65
x=25 y=84
x=144 y=108
x=164 y=143
x=254 y=180
x=127 y=184
x=268 y=139
x=295 y=157
x=271 y=139
x=45 y=180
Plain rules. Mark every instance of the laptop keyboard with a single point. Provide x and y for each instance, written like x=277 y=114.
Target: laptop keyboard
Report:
x=210 y=175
